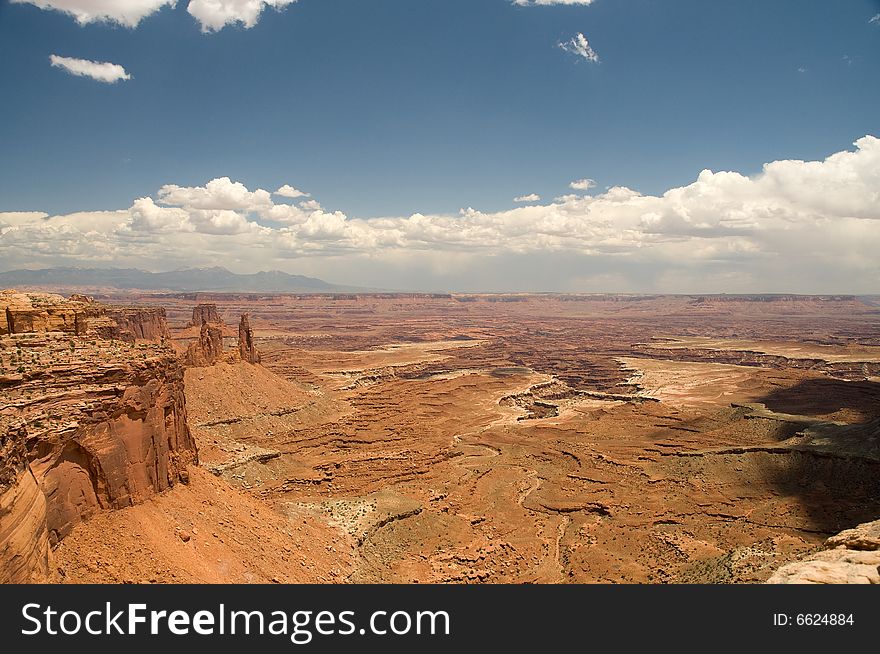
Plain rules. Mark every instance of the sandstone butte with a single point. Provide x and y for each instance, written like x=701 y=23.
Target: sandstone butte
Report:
x=205 y=313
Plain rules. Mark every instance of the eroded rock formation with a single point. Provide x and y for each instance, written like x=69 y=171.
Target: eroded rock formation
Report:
x=208 y=349
x=24 y=543
x=246 y=348
x=28 y=313
x=853 y=559
x=22 y=313
x=136 y=324
x=92 y=417
x=204 y=313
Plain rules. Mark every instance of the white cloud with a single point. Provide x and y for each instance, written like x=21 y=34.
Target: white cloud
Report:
x=101 y=71
x=578 y=45
x=287 y=191
x=285 y=213
x=147 y=216
x=875 y=19
x=582 y=184
x=214 y=15
x=150 y=218
x=310 y=205
x=123 y=12
x=10 y=218
x=218 y=194
x=799 y=226
x=531 y=197
x=221 y=222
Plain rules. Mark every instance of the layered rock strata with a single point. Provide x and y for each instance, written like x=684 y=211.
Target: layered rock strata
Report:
x=204 y=313
x=29 y=313
x=92 y=417
x=208 y=348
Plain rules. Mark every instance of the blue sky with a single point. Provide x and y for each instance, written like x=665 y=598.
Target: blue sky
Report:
x=388 y=108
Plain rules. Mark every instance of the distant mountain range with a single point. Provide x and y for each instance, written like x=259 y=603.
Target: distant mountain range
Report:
x=215 y=279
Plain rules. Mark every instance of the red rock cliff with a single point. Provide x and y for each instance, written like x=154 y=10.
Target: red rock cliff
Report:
x=24 y=542
x=86 y=423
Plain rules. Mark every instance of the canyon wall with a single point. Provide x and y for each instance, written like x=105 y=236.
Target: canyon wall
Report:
x=24 y=543
x=92 y=417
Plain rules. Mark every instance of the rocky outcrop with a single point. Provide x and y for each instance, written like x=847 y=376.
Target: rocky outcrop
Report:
x=208 y=349
x=24 y=543
x=22 y=313
x=246 y=348
x=204 y=313
x=35 y=313
x=854 y=559
x=136 y=324
x=864 y=537
x=87 y=423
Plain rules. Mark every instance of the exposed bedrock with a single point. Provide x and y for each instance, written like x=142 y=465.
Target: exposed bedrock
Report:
x=208 y=348
x=204 y=313
x=24 y=546
x=86 y=424
x=135 y=324
x=34 y=313
x=246 y=348
x=854 y=558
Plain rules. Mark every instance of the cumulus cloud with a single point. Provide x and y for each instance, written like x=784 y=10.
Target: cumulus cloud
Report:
x=147 y=216
x=124 y=12
x=218 y=194
x=582 y=184
x=531 y=197
x=580 y=46
x=102 y=71
x=801 y=226
x=310 y=205
x=287 y=191
x=875 y=19
x=214 y=15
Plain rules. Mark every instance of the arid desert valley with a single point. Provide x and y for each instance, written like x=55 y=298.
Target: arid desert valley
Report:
x=417 y=438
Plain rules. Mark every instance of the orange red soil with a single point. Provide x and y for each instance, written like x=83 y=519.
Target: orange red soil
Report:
x=512 y=439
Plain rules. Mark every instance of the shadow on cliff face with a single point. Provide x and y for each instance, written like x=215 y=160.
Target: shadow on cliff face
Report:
x=834 y=470
x=825 y=396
